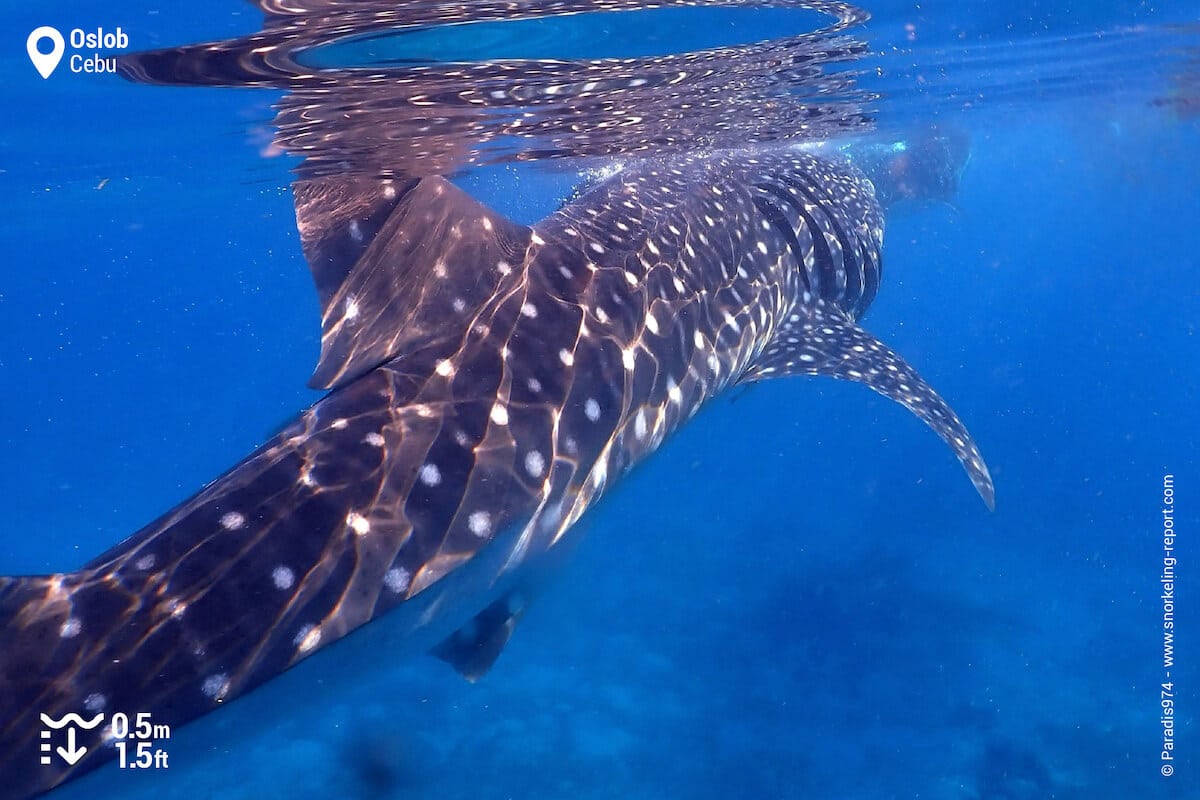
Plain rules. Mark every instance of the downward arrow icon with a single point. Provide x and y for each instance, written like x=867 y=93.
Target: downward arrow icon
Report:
x=69 y=753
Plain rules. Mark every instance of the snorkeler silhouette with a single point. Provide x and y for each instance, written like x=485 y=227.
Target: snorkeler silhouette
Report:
x=924 y=168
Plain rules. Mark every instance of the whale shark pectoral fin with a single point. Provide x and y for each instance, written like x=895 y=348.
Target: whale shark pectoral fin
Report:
x=473 y=648
x=820 y=340
x=392 y=262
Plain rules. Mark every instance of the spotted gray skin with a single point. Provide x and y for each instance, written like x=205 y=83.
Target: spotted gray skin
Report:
x=489 y=381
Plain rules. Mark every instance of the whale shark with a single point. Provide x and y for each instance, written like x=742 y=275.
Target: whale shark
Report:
x=487 y=382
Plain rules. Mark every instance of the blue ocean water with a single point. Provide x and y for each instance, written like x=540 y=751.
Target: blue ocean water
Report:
x=801 y=595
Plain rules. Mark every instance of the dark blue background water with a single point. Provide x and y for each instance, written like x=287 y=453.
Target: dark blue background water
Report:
x=801 y=596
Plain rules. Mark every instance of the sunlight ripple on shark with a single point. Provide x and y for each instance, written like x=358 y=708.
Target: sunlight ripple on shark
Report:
x=489 y=382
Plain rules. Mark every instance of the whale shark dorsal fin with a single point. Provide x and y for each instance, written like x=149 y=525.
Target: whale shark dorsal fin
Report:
x=392 y=262
x=337 y=220
x=474 y=648
x=819 y=339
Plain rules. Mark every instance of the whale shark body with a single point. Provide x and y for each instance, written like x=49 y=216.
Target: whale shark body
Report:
x=488 y=382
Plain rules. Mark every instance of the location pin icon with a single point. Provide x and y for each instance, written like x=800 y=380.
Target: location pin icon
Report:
x=45 y=62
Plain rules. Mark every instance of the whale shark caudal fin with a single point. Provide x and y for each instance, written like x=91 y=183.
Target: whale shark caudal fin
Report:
x=31 y=626
x=392 y=262
x=819 y=339
x=39 y=642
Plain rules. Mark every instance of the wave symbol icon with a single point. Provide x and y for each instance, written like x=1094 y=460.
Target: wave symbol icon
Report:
x=72 y=753
x=71 y=719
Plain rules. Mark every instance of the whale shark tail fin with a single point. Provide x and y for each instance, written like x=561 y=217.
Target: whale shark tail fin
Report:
x=33 y=630
x=39 y=638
